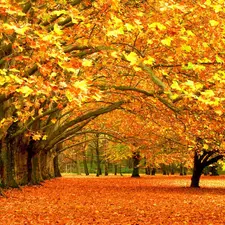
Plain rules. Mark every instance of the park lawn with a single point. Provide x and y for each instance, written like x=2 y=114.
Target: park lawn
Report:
x=116 y=200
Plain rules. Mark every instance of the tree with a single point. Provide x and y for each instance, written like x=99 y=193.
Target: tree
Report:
x=65 y=63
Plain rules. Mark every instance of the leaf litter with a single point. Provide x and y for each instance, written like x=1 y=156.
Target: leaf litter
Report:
x=116 y=200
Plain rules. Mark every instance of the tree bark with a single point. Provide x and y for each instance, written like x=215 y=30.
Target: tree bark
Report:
x=147 y=170
x=200 y=162
x=85 y=163
x=36 y=176
x=136 y=161
x=106 y=168
x=8 y=160
x=197 y=171
x=153 y=171
x=115 y=169
x=56 y=166
x=98 y=161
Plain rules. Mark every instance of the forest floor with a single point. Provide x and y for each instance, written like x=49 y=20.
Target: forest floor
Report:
x=116 y=200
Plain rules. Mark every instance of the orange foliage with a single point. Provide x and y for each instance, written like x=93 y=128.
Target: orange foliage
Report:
x=113 y=200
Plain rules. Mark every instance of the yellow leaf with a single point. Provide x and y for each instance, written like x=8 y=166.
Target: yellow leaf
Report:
x=2 y=80
x=219 y=112
x=40 y=111
x=25 y=90
x=219 y=60
x=175 y=86
x=190 y=33
x=190 y=83
x=205 y=146
x=149 y=41
x=69 y=96
x=208 y=2
x=132 y=58
x=48 y=37
x=16 y=79
x=115 y=33
x=57 y=29
x=129 y=27
x=114 y=54
x=137 y=68
x=18 y=30
x=208 y=93
x=167 y=41
x=36 y=137
x=157 y=25
x=60 y=12
x=82 y=85
x=54 y=120
x=186 y=48
x=149 y=61
x=44 y=137
x=87 y=62
x=213 y=23
x=97 y=97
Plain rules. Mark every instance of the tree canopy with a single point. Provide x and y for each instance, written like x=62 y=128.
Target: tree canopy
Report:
x=156 y=68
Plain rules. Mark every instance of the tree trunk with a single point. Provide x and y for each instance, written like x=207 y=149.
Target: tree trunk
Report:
x=1 y=165
x=115 y=169
x=8 y=151
x=45 y=165
x=164 y=169
x=56 y=166
x=136 y=161
x=98 y=161
x=197 y=171
x=106 y=168
x=172 y=169
x=147 y=170
x=120 y=169
x=36 y=176
x=85 y=163
x=181 y=169
x=78 y=165
x=196 y=177
x=153 y=171
x=29 y=161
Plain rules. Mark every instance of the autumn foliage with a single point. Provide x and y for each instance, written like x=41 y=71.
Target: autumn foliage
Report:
x=147 y=73
x=147 y=200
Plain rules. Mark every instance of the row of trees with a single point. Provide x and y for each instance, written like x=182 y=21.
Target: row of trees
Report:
x=147 y=73
x=101 y=154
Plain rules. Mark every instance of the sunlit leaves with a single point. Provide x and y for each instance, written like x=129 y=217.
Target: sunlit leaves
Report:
x=19 y=30
x=116 y=32
x=58 y=30
x=25 y=90
x=176 y=86
x=87 y=62
x=149 y=61
x=186 y=48
x=167 y=41
x=213 y=23
x=132 y=58
x=157 y=25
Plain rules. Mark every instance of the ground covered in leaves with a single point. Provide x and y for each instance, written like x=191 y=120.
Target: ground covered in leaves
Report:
x=116 y=200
